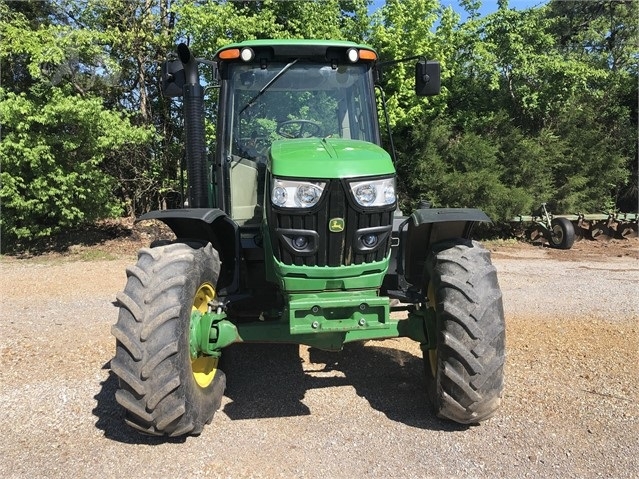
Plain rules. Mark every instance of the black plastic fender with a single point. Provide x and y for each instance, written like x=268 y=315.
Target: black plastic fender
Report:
x=427 y=226
x=207 y=224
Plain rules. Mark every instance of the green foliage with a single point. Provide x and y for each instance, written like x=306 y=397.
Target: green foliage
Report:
x=212 y=25
x=462 y=170
x=538 y=105
x=53 y=149
x=541 y=108
x=138 y=34
x=402 y=29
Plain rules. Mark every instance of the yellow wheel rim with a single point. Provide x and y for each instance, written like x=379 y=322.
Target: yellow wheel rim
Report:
x=204 y=295
x=432 y=353
x=204 y=367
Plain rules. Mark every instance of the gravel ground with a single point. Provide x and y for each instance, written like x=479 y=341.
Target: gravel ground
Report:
x=570 y=407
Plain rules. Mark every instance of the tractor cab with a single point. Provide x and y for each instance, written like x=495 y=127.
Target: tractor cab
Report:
x=268 y=95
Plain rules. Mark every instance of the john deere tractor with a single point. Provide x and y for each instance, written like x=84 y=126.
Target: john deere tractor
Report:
x=291 y=232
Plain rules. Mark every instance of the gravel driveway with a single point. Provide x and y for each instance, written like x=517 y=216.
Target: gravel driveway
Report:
x=570 y=407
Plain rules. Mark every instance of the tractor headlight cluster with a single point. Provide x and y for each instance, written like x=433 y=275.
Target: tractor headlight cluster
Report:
x=380 y=192
x=296 y=194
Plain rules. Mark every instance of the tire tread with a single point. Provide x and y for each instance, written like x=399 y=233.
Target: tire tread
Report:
x=471 y=340
x=152 y=360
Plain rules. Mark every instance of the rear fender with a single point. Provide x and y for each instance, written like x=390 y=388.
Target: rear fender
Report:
x=428 y=226
x=207 y=224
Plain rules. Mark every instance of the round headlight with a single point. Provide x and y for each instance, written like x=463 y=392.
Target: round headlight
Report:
x=287 y=193
x=366 y=194
x=389 y=195
x=307 y=195
x=374 y=193
x=300 y=242
x=279 y=196
x=369 y=240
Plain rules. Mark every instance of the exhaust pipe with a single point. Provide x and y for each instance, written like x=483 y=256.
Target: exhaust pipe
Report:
x=194 y=125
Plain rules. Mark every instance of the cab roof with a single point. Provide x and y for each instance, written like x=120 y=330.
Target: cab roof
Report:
x=282 y=49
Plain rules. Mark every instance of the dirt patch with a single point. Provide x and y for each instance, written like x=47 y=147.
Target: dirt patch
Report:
x=587 y=250
x=103 y=240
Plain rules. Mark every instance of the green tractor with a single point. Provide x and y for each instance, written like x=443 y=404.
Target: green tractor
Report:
x=291 y=233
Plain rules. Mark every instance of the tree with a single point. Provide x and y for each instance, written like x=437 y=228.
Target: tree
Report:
x=53 y=148
x=604 y=35
x=403 y=29
x=57 y=135
x=526 y=121
x=536 y=105
x=137 y=37
x=212 y=25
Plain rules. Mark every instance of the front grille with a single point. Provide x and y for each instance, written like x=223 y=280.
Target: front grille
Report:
x=332 y=249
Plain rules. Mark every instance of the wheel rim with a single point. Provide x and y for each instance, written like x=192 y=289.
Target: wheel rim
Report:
x=203 y=367
x=557 y=234
x=432 y=361
x=432 y=353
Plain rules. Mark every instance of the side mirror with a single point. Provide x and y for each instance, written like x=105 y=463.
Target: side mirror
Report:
x=173 y=78
x=427 y=78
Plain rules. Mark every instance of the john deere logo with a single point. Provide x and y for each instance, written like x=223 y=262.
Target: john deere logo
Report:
x=336 y=225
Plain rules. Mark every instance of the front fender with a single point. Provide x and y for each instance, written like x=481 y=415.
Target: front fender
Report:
x=448 y=215
x=428 y=226
x=206 y=224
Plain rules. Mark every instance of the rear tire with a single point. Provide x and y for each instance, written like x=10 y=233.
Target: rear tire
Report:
x=160 y=386
x=465 y=372
x=562 y=233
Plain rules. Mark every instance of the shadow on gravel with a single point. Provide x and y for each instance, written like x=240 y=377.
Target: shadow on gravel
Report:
x=266 y=380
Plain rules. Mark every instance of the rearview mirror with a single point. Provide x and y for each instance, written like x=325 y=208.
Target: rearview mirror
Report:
x=427 y=78
x=173 y=78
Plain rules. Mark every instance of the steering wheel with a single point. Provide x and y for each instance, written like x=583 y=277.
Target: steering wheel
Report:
x=305 y=129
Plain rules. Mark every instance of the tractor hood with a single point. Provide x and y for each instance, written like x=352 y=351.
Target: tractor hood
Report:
x=328 y=158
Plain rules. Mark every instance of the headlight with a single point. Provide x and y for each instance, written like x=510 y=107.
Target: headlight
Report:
x=374 y=192
x=296 y=194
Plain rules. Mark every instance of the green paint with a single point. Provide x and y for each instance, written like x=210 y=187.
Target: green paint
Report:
x=337 y=312
x=325 y=278
x=324 y=307
x=329 y=158
x=326 y=320
x=210 y=333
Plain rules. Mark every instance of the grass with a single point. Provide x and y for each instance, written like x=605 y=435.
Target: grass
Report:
x=500 y=243
x=93 y=254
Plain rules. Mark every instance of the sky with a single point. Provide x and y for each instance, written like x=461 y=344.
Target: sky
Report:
x=488 y=6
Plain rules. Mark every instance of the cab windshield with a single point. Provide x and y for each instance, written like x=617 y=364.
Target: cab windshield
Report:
x=299 y=100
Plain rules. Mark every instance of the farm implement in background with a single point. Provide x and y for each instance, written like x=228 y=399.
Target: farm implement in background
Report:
x=561 y=231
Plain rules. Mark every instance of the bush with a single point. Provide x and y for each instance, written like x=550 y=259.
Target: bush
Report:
x=53 y=149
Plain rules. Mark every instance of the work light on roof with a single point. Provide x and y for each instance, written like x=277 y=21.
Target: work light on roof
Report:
x=247 y=54
x=352 y=54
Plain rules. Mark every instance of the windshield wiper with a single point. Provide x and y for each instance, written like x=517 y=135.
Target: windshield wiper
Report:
x=268 y=85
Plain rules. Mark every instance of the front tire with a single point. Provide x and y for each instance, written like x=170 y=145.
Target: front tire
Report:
x=163 y=390
x=465 y=371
